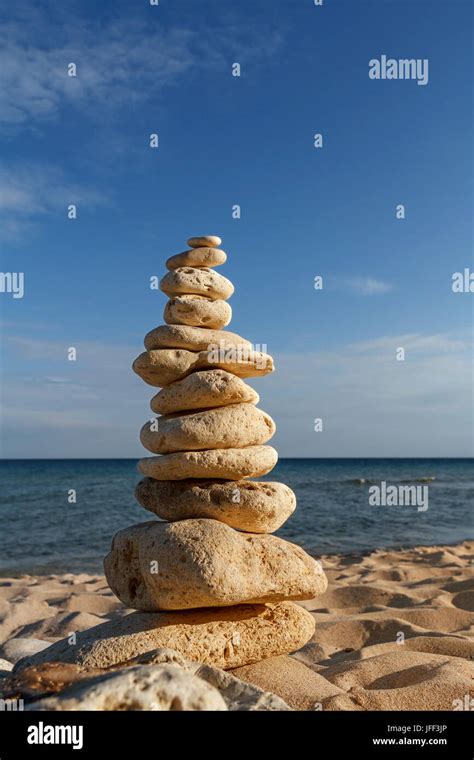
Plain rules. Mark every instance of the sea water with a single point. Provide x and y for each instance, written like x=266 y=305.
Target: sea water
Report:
x=59 y=516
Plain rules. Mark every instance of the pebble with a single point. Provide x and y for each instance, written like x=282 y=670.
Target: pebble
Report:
x=193 y=338
x=201 y=282
x=248 y=505
x=225 y=464
x=212 y=241
x=197 y=257
x=197 y=311
x=233 y=426
x=202 y=390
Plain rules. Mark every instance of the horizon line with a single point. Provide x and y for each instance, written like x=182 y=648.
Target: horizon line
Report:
x=133 y=459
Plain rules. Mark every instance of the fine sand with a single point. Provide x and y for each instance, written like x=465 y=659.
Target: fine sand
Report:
x=394 y=631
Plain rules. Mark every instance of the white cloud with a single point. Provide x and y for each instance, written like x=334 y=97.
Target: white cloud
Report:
x=119 y=66
x=414 y=344
x=92 y=407
x=371 y=404
x=119 y=62
x=29 y=191
x=368 y=286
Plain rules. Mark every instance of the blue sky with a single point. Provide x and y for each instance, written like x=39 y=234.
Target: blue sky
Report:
x=244 y=140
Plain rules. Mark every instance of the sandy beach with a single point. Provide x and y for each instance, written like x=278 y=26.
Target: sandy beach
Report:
x=394 y=631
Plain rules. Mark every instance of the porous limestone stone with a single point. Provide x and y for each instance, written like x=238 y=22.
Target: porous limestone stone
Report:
x=142 y=687
x=202 y=390
x=204 y=563
x=197 y=311
x=197 y=257
x=201 y=281
x=5 y=666
x=226 y=637
x=213 y=241
x=252 y=506
x=225 y=464
x=193 y=338
x=49 y=679
x=226 y=427
x=164 y=366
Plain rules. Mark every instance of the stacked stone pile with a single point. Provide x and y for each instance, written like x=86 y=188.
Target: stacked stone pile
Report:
x=211 y=560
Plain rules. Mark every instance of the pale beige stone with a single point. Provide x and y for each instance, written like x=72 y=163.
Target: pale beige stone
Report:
x=252 y=506
x=226 y=637
x=140 y=692
x=205 y=563
x=160 y=368
x=204 y=240
x=237 y=694
x=166 y=365
x=226 y=427
x=202 y=390
x=158 y=688
x=197 y=311
x=201 y=281
x=225 y=464
x=193 y=338
x=198 y=257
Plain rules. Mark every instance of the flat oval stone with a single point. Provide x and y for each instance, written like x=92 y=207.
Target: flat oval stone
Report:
x=252 y=506
x=197 y=311
x=197 y=257
x=164 y=366
x=160 y=368
x=202 y=390
x=192 y=338
x=227 y=637
x=225 y=464
x=205 y=563
x=212 y=241
x=201 y=282
x=226 y=427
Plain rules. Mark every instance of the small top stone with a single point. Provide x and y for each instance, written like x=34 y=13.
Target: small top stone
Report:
x=210 y=241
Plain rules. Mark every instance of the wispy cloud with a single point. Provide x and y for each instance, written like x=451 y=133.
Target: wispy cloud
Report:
x=31 y=191
x=368 y=286
x=119 y=63
x=93 y=406
x=121 y=67
x=415 y=344
x=370 y=403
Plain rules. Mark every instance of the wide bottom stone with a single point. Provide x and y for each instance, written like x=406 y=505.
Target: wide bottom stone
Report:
x=225 y=637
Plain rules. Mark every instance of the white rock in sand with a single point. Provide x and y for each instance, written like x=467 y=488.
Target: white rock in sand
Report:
x=157 y=688
x=158 y=680
x=5 y=666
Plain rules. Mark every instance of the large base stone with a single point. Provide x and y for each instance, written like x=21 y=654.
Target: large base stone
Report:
x=225 y=637
x=200 y=563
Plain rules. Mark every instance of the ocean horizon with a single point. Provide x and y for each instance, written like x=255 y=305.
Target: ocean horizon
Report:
x=46 y=531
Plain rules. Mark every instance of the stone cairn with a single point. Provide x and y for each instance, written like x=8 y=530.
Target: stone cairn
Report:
x=223 y=584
